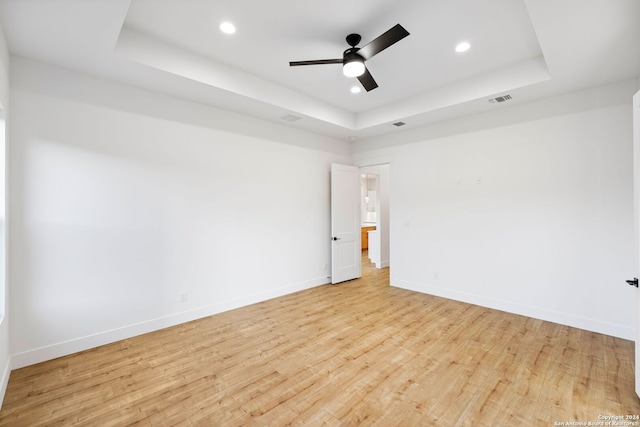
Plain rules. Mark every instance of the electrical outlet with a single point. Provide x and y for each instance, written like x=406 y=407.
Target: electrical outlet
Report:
x=184 y=297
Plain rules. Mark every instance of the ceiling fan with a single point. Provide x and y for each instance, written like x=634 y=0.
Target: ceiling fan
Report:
x=353 y=58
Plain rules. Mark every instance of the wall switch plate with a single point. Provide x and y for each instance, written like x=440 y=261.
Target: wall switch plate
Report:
x=184 y=297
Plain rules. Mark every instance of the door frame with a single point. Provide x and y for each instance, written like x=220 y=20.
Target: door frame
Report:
x=636 y=191
x=382 y=161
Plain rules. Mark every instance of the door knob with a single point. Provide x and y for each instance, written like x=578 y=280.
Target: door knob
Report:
x=335 y=238
x=633 y=282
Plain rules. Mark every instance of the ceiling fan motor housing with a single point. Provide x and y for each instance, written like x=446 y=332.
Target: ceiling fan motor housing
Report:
x=351 y=55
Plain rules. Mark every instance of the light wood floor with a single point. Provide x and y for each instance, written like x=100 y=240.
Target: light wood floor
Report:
x=360 y=352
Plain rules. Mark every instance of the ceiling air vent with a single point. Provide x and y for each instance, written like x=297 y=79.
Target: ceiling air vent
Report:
x=290 y=118
x=398 y=124
x=500 y=99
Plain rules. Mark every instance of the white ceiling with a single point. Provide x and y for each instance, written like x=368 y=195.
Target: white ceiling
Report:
x=526 y=48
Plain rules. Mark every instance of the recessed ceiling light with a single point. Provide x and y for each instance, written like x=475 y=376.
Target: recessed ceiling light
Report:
x=462 y=47
x=227 y=28
x=355 y=89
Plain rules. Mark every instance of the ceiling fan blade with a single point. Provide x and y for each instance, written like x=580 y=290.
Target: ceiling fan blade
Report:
x=367 y=81
x=316 y=62
x=393 y=35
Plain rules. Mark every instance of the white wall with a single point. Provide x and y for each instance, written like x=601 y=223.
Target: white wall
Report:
x=124 y=200
x=549 y=231
x=5 y=354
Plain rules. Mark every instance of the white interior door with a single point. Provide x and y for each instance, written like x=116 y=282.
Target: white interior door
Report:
x=345 y=223
x=636 y=185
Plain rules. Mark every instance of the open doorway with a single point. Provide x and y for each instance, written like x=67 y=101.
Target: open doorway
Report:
x=375 y=214
x=369 y=208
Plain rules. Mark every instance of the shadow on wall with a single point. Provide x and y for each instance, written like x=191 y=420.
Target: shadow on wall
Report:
x=121 y=97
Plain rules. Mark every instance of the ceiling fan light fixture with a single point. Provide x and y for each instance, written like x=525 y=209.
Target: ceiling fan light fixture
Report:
x=353 y=66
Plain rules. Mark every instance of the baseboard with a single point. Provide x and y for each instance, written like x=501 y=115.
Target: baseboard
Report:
x=53 y=351
x=5 y=380
x=615 y=330
x=384 y=264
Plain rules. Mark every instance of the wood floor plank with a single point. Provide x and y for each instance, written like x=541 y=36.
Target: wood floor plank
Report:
x=357 y=353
